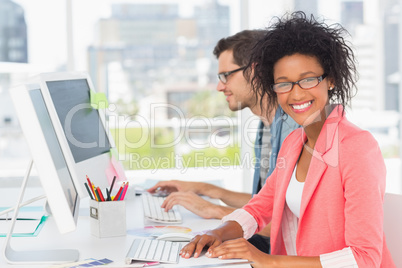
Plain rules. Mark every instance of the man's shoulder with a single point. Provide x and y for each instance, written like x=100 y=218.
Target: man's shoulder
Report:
x=281 y=118
x=289 y=123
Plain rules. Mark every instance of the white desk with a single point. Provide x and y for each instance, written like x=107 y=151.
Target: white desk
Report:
x=112 y=248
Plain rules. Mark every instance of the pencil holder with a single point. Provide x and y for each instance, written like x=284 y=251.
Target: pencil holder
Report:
x=107 y=218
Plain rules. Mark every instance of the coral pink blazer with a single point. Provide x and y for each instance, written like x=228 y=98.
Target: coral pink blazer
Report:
x=342 y=200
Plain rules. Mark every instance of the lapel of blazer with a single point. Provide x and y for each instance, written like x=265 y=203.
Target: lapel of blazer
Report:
x=325 y=154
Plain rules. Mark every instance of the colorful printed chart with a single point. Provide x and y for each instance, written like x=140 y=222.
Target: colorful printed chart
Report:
x=149 y=231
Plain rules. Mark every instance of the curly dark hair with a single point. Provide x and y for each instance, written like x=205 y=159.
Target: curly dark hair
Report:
x=296 y=33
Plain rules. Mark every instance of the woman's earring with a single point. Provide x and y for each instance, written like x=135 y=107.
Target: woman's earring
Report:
x=330 y=88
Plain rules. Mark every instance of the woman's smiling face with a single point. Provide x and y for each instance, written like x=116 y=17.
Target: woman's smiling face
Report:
x=303 y=105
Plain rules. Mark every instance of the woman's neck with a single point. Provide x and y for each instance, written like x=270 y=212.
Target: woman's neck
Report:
x=313 y=130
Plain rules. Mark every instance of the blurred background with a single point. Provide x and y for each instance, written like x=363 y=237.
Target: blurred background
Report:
x=154 y=61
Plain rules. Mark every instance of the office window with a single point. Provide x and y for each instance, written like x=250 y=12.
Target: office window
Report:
x=352 y=14
x=153 y=59
x=138 y=52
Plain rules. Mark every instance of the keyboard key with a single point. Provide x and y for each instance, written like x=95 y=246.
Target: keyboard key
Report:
x=139 y=244
x=173 y=257
x=154 y=212
x=177 y=214
x=147 y=211
x=144 y=249
x=153 y=250
x=166 y=251
x=159 y=250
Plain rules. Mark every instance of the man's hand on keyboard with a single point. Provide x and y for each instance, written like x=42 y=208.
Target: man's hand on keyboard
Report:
x=174 y=186
x=196 y=204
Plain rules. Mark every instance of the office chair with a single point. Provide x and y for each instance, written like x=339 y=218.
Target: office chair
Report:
x=393 y=225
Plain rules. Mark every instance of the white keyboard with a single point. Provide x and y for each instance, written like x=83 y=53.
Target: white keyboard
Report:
x=154 y=212
x=143 y=249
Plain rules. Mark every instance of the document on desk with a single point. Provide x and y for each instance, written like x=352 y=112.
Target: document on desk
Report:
x=221 y=264
x=157 y=230
x=85 y=263
x=204 y=262
x=28 y=212
x=29 y=222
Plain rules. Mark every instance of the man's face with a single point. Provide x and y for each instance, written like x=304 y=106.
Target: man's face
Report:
x=236 y=89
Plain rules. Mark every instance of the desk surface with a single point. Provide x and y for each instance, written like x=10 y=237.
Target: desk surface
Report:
x=112 y=248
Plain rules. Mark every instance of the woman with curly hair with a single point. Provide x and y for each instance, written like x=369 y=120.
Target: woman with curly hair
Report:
x=324 y=199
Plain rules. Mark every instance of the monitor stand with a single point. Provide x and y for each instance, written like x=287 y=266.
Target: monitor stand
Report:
x=34 y=256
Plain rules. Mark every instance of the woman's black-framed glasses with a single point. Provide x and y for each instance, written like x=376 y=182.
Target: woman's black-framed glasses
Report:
x=305 y=83
x=223 y=77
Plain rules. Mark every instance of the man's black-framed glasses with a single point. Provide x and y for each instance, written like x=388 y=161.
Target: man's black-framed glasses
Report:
x=223 y=77
x=305 y=83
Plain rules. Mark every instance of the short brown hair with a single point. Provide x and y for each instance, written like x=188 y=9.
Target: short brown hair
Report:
x=241 y=44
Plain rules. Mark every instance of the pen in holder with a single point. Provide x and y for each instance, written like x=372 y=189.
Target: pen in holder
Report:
x=107 y=218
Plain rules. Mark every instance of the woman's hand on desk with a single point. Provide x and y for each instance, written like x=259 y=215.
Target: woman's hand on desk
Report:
x=196 y=204
x=238 y=248
x=197 y=244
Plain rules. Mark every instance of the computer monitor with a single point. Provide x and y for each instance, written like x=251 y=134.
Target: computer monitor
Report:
x=74 y=132
x=68 y=140
x=80 y=129
x=54 y=173
x=47 y=155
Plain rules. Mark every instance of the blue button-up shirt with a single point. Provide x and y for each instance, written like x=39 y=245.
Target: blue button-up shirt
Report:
x=280 y=129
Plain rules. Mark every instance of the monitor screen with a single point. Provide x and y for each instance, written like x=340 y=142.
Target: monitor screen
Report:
x=81 y=130
x=82 y=126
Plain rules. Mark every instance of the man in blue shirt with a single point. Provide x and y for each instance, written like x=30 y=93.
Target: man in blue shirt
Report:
x=233 y=53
